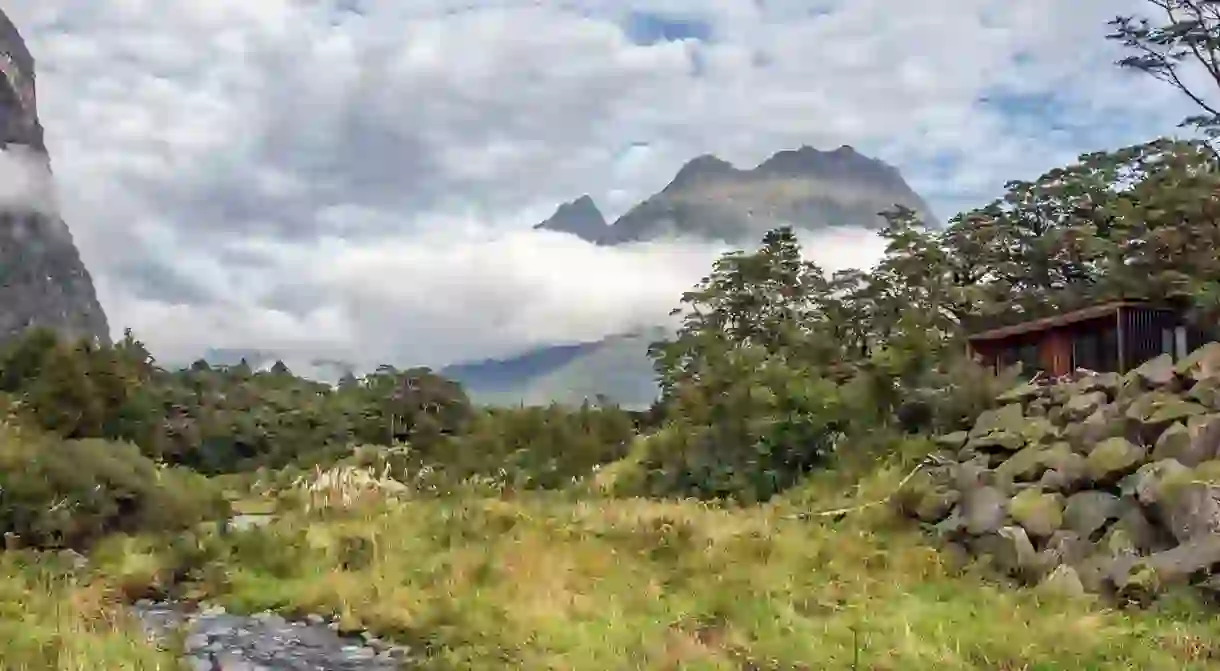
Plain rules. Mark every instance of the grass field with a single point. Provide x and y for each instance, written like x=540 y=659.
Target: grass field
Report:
x=570 y=582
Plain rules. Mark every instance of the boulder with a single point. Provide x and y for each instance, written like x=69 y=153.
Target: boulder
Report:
x=983 y=510
x=1173 y=442
x=1145 y=484
x=1189 y=502
x=1028 y=464
x=1063 y=582
x=997 y=441
x=1156 y=372
x=1038 y=429
x=1112 y=459
x=1088 y=512
x=1105 y=422
x=952 y=441
x=1007 y=418
x=1022 y=393
x=1011 y=551
x=1201 y=364
x=1081 y=405
x=971 y=473
x=1190 y=443
x=927 y=497
x=1146 y=577
x=1205 y=392
x=1038 y=512
x=1065 y=547
x=1142 y=533
x=1107 y=382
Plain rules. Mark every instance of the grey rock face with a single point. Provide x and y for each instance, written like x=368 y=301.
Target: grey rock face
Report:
x=43 y=282
x=580 y=218
x=711 y=199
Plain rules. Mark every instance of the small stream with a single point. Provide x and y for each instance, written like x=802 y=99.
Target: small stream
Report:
x=219 y=641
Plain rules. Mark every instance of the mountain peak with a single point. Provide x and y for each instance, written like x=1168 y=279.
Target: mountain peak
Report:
x=810 y=161
x=700 y=168
x=579 y=217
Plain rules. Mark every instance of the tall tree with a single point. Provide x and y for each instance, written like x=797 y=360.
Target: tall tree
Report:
x=1181 y=36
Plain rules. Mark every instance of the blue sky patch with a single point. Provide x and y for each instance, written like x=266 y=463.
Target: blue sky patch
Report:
x=651 y=28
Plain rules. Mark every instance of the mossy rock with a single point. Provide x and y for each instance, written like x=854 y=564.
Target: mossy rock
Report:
x=1038 y=512
x=1028 y=464
x=1038 y=430
x=953 y=441
x=1173 y=442
x=1007 y=418
x=1206 y=393
x=1106 y=382
x=1157 y=372
x=927 y=498
x=1022 y=393
x=997 y=441
x=1081 y=405
x=1112 y=459
x=1106 y=422
x=1201 y=364
x=1175 y=410
x=1064 y=582
x=1144 y=485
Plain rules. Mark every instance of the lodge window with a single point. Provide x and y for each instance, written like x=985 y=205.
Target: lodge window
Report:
x=1108 y=361
x=1027 y=355
x=1087 y=352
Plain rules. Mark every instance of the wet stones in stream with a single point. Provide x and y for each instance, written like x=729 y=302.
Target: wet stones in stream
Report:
x=215 y=640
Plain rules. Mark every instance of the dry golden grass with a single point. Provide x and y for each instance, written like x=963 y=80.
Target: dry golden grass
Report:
x=547 y=582
x=49 y=621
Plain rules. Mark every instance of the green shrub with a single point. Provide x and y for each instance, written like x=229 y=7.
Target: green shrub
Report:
x=69 y=493
x=751 y=426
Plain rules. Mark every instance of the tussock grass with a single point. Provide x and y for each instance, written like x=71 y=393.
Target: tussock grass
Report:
x=548 y=582
x=48 y=620
x=563 y=581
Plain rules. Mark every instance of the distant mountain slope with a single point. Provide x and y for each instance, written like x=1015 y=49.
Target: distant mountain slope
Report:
x=616 y=367
x=711 y=199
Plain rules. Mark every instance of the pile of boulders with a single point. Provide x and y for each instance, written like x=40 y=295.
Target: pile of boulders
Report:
x=1101 y=484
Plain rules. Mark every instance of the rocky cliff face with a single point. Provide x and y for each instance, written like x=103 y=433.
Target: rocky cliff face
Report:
x=42 y=279
x=711 y=199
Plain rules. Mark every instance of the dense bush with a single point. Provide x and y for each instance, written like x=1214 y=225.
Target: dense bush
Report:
x=69 y=493
x=751 y=428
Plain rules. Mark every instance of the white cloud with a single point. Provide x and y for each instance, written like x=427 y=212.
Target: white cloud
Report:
x=25 y=180
x=285 y=174
x=446 y=295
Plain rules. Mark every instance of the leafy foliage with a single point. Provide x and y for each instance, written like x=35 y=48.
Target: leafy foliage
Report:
x=70 y=493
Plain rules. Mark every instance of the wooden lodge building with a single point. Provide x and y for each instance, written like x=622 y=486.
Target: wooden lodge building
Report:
x=1110 y=337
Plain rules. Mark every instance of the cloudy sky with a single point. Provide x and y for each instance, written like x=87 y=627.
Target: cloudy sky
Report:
x=357 y=178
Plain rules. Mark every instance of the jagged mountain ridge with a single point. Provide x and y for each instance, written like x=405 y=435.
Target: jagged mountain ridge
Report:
x=710 y=198
x=43 y=282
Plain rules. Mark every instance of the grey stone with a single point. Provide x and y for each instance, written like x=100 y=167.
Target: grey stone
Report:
x=1156 y=372
x=1087 y=512
x=1063 y=581
x=1113 y=458
x=983 y=510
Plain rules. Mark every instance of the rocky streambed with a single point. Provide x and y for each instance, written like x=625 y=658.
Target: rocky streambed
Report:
x=215 y=640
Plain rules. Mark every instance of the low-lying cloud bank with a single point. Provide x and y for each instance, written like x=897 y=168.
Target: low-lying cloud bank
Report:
x=25 y=181
x=448 y=295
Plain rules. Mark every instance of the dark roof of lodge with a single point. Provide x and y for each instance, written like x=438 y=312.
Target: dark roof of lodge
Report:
x=1062 y=319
